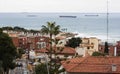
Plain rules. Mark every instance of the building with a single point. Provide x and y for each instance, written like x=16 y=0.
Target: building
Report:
x=111 y=47
x=92 y=65
x=63 y=38
x=41 y=42
x=15 y=41
x=88 y=45
x=118 y=48
x=61 y=52
x=29 y=42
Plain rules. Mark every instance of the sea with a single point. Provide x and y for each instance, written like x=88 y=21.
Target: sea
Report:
x=84 y=24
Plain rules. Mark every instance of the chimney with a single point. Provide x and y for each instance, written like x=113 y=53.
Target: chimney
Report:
x=114 y=68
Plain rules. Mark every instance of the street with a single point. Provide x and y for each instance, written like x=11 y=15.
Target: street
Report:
x=21 y=69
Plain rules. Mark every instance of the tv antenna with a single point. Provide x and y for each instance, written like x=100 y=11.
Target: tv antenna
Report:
x=107 y=22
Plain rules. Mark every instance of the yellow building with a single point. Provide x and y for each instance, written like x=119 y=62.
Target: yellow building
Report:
x=88 y=45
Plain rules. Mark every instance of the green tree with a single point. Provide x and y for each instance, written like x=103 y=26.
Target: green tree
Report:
x=41 y=69
x=20 y=52
x=7 y=28
x=54 y=63
x=7 y=52
x=97 y=54
x=34 y=31
x=0 y=67
x=51 y=29
x=106 y=50
x=74 y=42
x=16 y=28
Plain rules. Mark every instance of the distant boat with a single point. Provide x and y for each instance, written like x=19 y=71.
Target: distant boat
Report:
x=68 y=16
x=31 y=16
x=92 y=15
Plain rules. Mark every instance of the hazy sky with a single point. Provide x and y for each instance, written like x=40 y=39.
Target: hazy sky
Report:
x=59 y=6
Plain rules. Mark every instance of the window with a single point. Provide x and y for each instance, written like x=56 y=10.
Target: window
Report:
x=88 y=47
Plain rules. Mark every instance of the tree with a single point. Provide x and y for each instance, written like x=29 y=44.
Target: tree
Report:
x=54 y=63
x=97 y=54
x=20 y=52
x=7 y=52
x=16 y=28
x=41 y=69
x=51 y=29
x=106 y=50
x=74 y=42
x=0 y=67
x=34 y=31
x=7 y=28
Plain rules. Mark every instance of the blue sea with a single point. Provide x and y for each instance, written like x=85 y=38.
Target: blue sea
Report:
x=85 y=24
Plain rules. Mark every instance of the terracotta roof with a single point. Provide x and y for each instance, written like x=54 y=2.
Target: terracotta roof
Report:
x=66 y=50
x=92 y=65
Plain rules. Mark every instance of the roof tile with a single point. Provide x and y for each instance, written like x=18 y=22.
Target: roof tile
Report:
x=92 y=64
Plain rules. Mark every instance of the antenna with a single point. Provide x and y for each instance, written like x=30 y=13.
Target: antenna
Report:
x=107 y=22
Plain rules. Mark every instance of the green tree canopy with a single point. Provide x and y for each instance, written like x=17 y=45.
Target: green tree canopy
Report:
x=74 y=42
x=98 y=54
x=20 y=51
x=106 y=50
x=51 y=29
x=7 y=52
x=7 y=28
x=41 y=69
x=54 y=63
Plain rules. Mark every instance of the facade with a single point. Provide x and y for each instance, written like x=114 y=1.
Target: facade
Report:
x=63 y=38
x=22 y=40
x=92 y=65
x=41 y=42
x=113 y=49
x=67 y=52
x=118 y=48
x=88 y=45
x=62 y=41
x=15 y=41
x=29 y=41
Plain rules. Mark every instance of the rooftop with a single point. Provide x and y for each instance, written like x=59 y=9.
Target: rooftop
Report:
x=66 y=50
x=92 y=65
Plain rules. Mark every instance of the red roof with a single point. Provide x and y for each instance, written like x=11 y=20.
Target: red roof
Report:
x=92 y=65
x=66 y=50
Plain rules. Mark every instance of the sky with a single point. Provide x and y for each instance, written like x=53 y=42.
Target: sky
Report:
x=80 y=6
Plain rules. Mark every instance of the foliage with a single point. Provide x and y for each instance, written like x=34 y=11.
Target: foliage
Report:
x=7 y=52
x=51 y=29
x=20 y=52
x=118 y=54
x=7 y=28
x=54 y=63
x=74 y=42
x=98 y=54
x=33 y=31
x=18 y=29
x=0 y=67
x=106 y=50
x=41 y=69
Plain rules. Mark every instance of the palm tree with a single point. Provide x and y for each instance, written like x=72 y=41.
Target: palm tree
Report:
x=51 y=29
